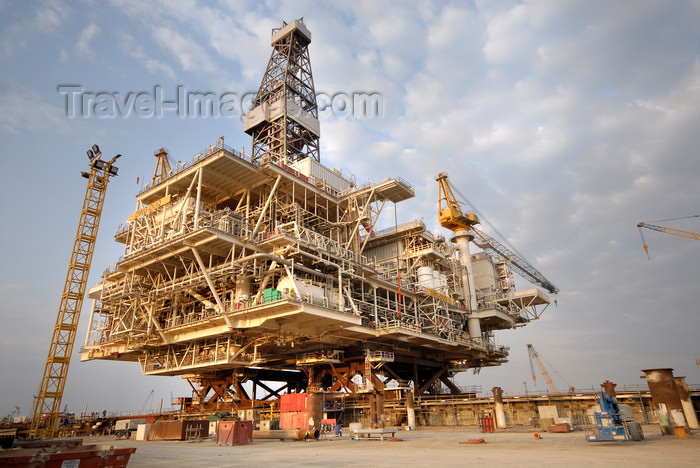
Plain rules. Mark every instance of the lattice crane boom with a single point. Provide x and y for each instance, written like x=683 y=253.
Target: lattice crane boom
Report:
x=47 y=403
x=666 y=230
x=495 y=248
x=534 y=356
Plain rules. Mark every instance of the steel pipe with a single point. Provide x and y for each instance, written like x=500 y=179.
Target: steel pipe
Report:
x=281 y=434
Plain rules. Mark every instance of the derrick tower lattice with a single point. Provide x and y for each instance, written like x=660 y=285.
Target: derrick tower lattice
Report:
x=284 y=122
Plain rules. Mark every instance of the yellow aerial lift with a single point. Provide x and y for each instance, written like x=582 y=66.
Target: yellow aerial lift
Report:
x=667 y=230
x=47 y=403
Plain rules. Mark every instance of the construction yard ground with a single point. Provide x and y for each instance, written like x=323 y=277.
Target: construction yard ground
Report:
x=427 y=446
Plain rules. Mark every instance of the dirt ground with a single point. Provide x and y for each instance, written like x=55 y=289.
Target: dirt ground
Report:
x=427 y=446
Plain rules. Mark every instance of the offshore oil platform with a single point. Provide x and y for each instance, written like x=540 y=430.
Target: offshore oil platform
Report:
x=271 y=268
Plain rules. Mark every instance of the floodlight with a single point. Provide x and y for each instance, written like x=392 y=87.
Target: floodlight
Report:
x=113 y=170
x=99 y=164
x=96 y=149
x=90 y=154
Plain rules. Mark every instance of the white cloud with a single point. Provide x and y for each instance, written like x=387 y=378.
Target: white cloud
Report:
x=129 y=46
x=49 y=15
x=24 y=108
x=83 y=46
x=190 y=54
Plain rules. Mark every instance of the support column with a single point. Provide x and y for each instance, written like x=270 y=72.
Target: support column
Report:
x=500 y=413
x=667 y=403
x=687 y=403
x=462 y=239
x=410 y=410
x=380 y=409
x=315 y=411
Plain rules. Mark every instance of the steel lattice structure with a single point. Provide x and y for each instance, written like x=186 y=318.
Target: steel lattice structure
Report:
x=284 y=123
x=47 y=402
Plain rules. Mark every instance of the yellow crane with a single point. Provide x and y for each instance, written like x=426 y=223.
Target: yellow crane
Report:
x=534 y=356
x=452 y=217
x=47 y=403
x=667 y=230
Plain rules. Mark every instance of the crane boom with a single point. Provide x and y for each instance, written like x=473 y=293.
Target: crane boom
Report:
x=47 y=403
x=534 y=356
x=492 y=246
x=666 y=230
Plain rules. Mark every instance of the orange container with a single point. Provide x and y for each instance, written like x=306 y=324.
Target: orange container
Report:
x=234 y=433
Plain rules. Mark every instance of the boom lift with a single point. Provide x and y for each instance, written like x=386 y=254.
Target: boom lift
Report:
x=47 y=403
x=613 y=423
x=667 y=230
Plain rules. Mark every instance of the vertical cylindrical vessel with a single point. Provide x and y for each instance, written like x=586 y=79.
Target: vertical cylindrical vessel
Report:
x=436 y=280
x=500 y=413
x=687 y=403
x=667 y=403
x=425 y=276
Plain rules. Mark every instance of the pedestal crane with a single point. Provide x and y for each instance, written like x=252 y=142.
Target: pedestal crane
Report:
x=454 y=218
x=666 y=230
x=47 y=403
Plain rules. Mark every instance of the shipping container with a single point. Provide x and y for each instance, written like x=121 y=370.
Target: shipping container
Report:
x=271 y=295
x=180 y=430
x=234 y=433
x=286 y=421
x=293 y=402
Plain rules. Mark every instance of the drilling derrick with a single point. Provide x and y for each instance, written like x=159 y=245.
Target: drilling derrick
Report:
x=284 y=122
x=271 y=267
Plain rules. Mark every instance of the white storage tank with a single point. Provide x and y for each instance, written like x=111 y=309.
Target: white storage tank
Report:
x=425 y=277
x=443 y=282
x=436 y=280
x=306 y=289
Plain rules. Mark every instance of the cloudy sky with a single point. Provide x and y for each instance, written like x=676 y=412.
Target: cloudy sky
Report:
x=565 y=122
